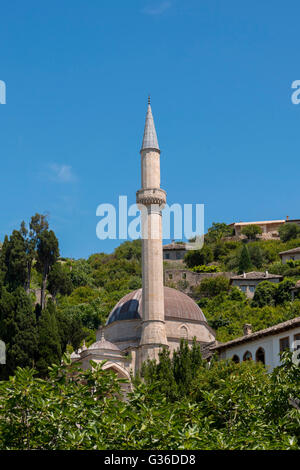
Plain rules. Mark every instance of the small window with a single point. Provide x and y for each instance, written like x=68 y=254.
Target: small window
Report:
x=244 y=288
x=183 y=275
x=184 y=332
x=260 y=355
x=170 y=276
x=284 y=344
x=167 y=255
x=251 y=288
x=247 y=356
x=236 y=359
x=296 y=342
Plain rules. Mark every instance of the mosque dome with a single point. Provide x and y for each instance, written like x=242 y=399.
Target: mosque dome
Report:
x=177 y=305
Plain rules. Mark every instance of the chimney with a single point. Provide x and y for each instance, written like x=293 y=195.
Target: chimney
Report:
x=287 y=217
x=247 y=329
x=244 y=275
x=267 y=273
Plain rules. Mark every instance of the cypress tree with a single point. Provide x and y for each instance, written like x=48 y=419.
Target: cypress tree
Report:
x=245 y=261
x=17 y=330
x=15 y=261
x=49 y=347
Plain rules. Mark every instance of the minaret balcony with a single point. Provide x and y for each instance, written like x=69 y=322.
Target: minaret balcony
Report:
x=150 y=196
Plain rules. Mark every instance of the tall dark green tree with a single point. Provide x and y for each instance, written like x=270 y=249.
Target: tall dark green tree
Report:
x=38 y=224
x=256 y=255
x=47 y=255
x=245 y=261
x=17 y=330
x=3 y=267
x=59 y=281
x=15 y=261
x=49 y=345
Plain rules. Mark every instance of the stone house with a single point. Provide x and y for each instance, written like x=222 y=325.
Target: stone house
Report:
x=269 y=228
x=293 y=254
x=174 y=251
x=248 y=282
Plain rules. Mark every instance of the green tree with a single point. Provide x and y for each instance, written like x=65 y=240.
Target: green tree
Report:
x=37 y=225
x=211 y=287
x=288 y=231
x=198 y=257
x=15 y=261
x=256 y=255
x=265 y=294
x=49 y=341
x=59 y=281
x=251 y=231
x=47 y=255
x=217 y=231
x=244 y=261
x=17 y=330
x=283 y=291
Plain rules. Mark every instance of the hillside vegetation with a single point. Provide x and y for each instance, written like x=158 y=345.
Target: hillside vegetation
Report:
x=50 y=304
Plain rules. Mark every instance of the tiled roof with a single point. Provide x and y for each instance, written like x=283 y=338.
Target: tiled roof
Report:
x=295 y=322
x=254 y=275
x=174 y=246
x=177 y=305
x=206 y=349
x=293 y=250
x=263 y=222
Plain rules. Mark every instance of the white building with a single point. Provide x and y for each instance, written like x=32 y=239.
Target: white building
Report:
x=263 y=345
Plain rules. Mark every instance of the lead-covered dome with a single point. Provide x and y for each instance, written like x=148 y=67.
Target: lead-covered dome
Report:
x=177 y=305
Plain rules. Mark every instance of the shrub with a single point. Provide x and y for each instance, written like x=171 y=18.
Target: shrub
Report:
x=206 y=269
x=264 y=294
x=288 y=231
x=211 y=287
x=251 y=231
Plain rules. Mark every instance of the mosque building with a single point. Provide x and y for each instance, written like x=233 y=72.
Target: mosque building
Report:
x=154 y=316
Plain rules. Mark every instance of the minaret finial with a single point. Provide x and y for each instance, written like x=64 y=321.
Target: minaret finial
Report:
x=149 y=99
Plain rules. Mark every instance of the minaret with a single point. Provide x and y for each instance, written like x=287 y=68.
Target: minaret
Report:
x=151 y=200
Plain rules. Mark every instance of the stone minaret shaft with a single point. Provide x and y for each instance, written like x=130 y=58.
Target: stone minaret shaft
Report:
x=151 y=200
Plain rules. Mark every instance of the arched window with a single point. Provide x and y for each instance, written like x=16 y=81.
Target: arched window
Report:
x=236 y=359
x=247 y=356
x=260 y=355
x=184 y=332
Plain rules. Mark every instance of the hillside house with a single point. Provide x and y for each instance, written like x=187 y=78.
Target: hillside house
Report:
x=248 y=282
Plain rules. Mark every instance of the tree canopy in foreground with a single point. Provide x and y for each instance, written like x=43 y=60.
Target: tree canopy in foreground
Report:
x=225 y=406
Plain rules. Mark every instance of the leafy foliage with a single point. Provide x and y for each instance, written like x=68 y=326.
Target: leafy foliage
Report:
x=289 y=231
x=222 y=406
x=206 y=269
x=251 y=231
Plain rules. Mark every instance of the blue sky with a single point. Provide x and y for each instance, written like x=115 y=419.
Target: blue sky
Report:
x=78 y=74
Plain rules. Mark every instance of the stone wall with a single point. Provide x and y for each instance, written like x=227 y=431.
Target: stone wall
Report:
x=185 y=280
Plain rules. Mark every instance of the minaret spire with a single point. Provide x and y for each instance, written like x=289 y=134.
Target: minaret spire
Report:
x=150 y=138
